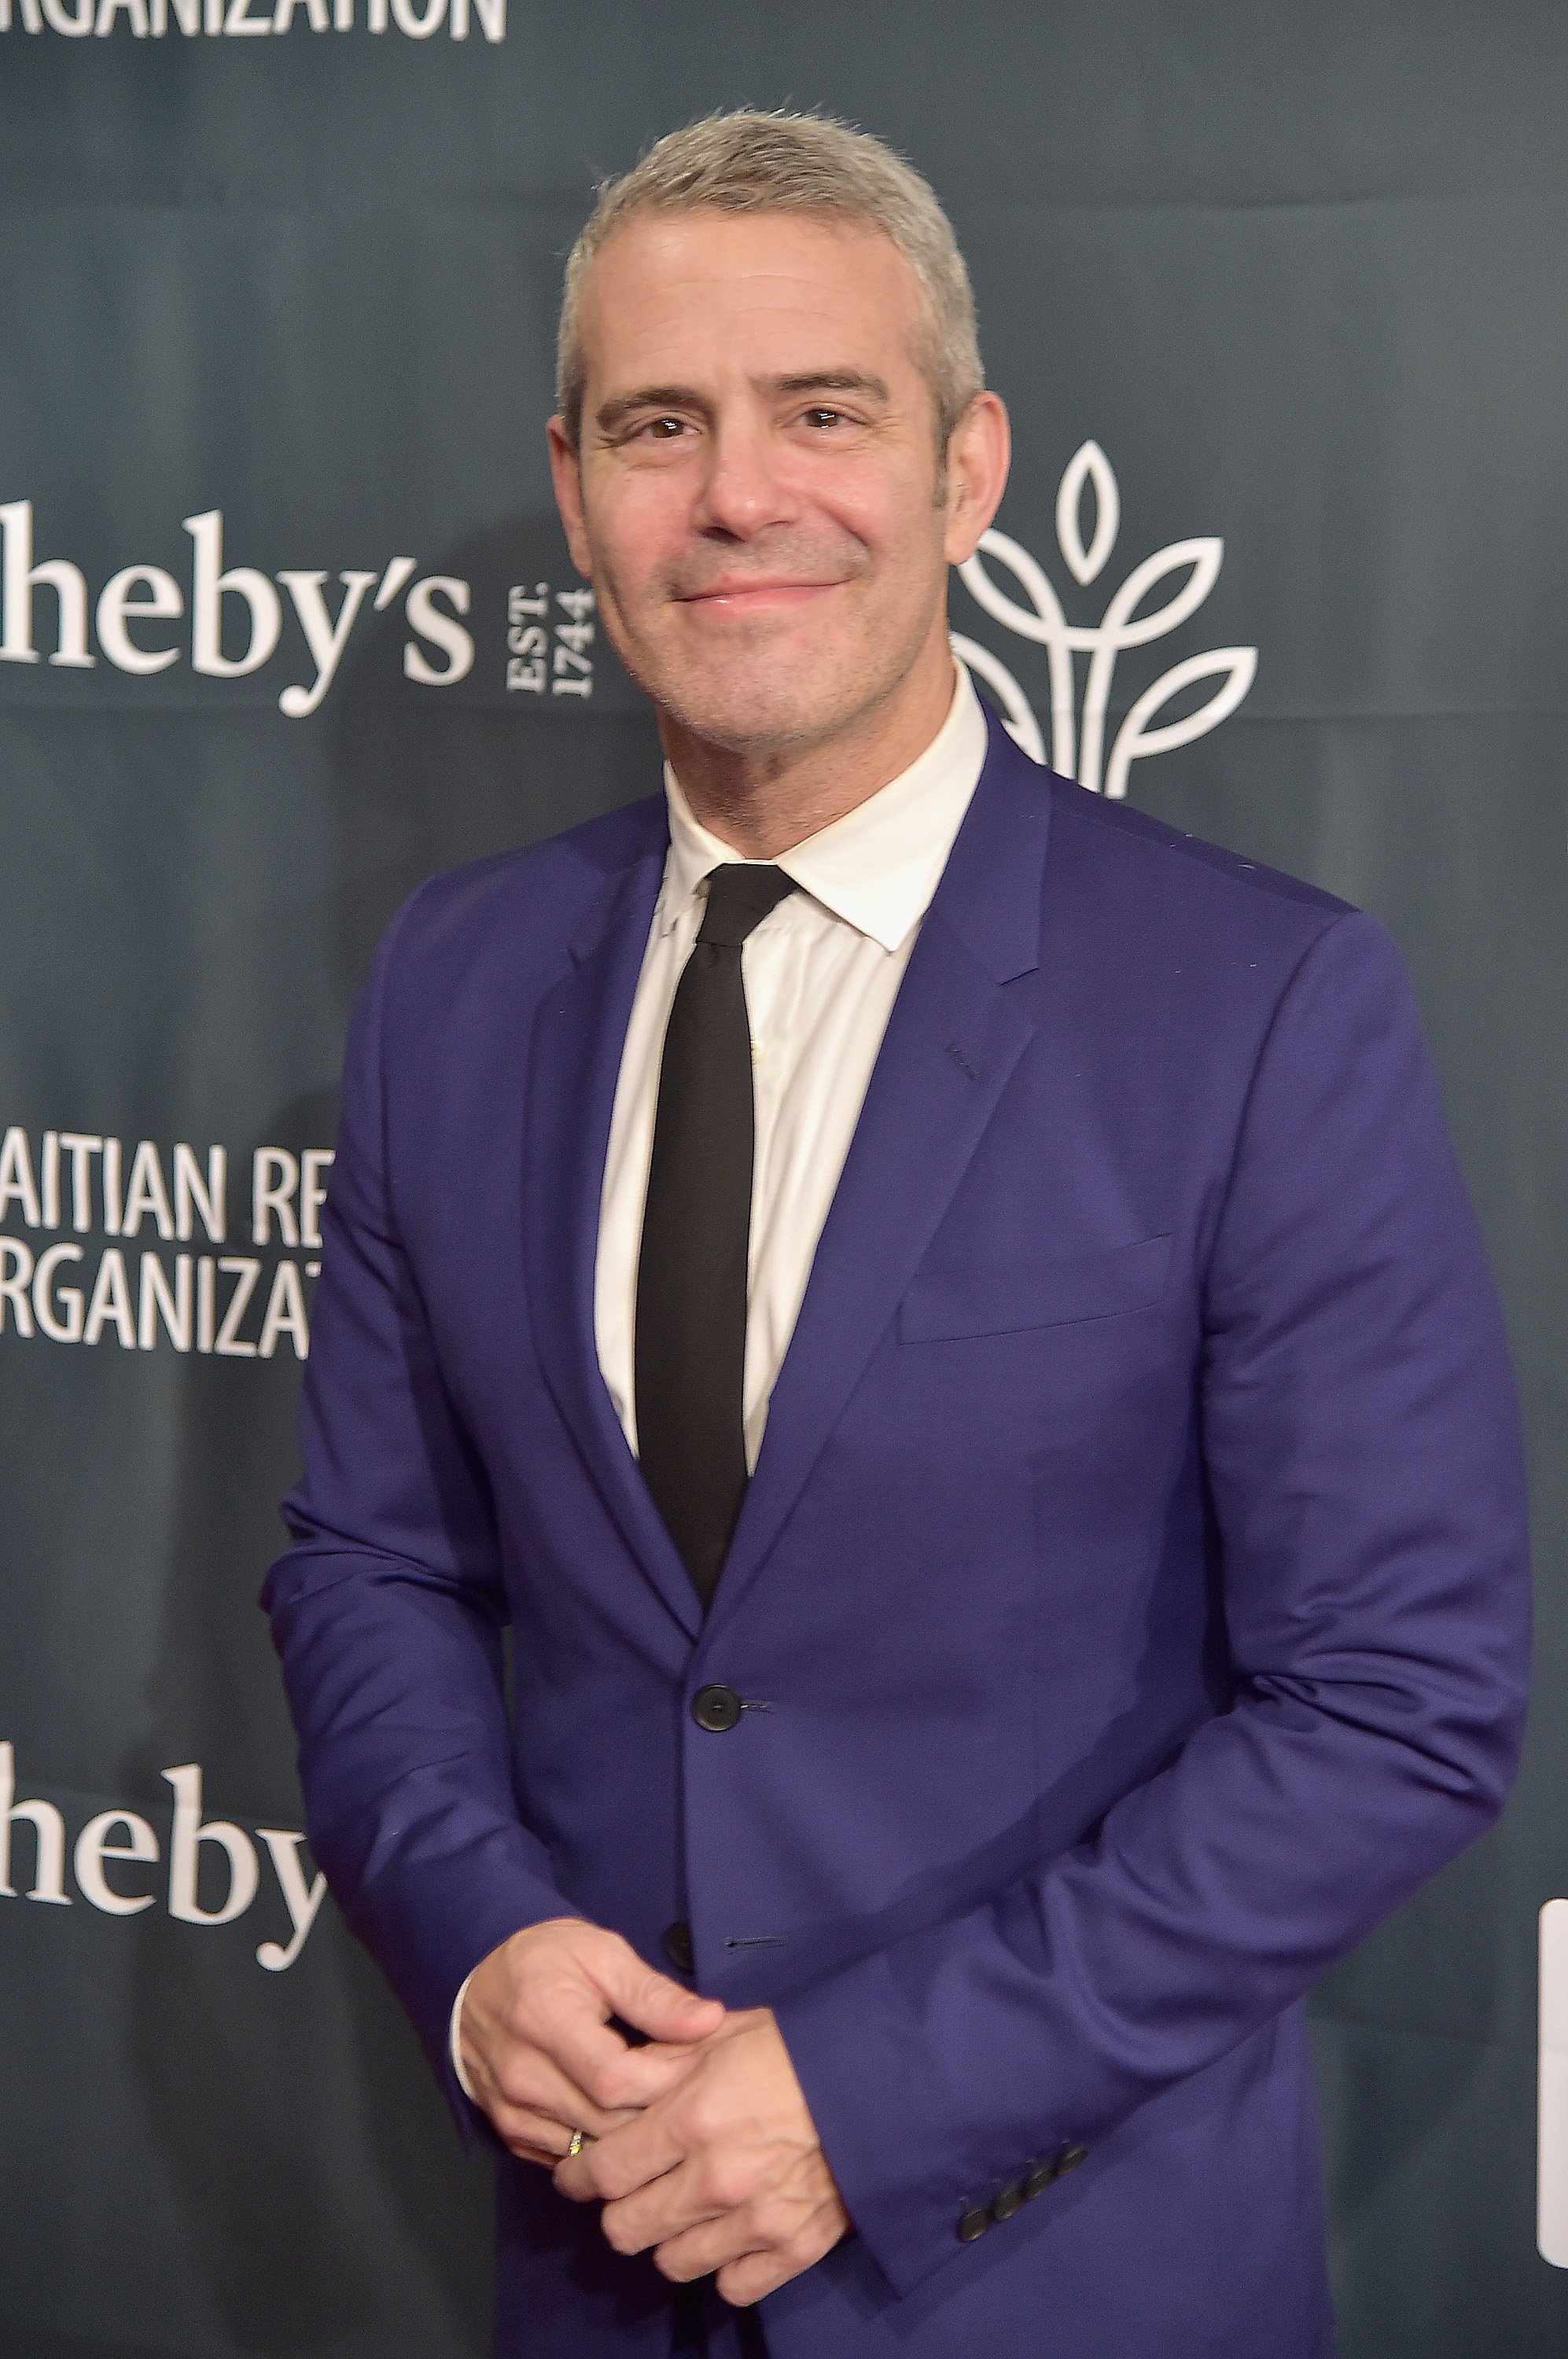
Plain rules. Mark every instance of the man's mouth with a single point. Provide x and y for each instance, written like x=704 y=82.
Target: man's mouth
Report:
x=751 y=596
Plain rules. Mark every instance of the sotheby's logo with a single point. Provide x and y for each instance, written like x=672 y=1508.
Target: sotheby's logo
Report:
x=228 y=620
x=1078 y=725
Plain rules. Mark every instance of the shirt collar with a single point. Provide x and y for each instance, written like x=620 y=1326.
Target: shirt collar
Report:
x=878 y=866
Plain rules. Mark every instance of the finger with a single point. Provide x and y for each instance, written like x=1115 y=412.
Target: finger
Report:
x=627 y=2158
x=712 y=2244
x=597 y=2060
x=666 y=2208
x=756 y=2274
x=514 y=2135
x=546 y=2138
x=522 y=2075
x=767 y=2240
x=650 y=2001
x=743 y=2281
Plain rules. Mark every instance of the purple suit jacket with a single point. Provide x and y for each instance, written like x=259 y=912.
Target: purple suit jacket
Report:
x=1128 y=1607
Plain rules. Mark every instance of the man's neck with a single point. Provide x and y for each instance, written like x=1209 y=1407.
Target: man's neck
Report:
x=762 y=802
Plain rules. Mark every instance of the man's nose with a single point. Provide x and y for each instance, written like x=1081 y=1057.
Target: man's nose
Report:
x=744 y=489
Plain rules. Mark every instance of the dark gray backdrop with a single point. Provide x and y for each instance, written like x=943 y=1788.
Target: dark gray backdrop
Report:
x=1299 y=273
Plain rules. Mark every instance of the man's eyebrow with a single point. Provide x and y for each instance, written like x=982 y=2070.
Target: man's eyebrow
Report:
x=610 y=414
x=840 y=380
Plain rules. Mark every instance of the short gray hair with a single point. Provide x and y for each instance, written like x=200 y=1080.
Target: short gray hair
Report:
x=751 y=161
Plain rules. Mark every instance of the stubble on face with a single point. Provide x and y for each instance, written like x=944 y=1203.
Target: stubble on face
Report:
x=751 y=684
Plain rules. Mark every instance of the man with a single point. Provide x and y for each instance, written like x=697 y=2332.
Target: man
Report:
x=942 y=1315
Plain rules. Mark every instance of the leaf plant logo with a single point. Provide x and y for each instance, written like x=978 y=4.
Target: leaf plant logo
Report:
x=1077 y=746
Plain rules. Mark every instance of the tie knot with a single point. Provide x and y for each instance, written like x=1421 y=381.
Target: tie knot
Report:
x=740 y=896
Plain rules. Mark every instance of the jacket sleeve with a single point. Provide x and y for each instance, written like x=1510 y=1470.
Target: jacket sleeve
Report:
x=1365 y=1468
x=387 y=1609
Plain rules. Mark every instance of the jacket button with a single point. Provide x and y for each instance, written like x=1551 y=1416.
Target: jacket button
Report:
x=677 y=1943
x=1037 y=2178
x=1009 y=2200
x=1069 y=2159
x=974 y=2223
x=715 y=1709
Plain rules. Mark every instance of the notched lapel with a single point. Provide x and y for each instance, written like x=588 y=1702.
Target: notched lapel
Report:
x=955 y=1033
x=579 y=1032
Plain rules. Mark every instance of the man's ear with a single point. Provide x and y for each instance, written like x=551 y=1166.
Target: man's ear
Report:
x=566 y=474
x=978 y=452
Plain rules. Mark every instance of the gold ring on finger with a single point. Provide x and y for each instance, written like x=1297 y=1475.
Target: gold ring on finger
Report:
x=576 y=2145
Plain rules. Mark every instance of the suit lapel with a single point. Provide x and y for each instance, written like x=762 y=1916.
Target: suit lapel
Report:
x=955 y=1036
x=574 y=1062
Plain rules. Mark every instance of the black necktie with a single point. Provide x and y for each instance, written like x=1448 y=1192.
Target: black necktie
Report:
x=689 y=1347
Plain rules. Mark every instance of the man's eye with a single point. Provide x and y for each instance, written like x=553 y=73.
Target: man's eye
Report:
x=823 y=418
x=664 y=430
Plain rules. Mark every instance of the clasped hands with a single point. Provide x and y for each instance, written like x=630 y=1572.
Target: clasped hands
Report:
x=700 y=2145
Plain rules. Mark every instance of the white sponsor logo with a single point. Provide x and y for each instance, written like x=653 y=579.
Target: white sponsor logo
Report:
x=1077 y=746
x=117 y=1855
x=143 y=601
x=234 y=19
x=229 y=621
x=1552 y=2170
x=72 y=1288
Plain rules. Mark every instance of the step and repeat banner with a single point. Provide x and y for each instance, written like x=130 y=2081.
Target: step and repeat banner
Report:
x=287 y=622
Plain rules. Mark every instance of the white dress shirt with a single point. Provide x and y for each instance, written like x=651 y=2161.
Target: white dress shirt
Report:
x=820 y=972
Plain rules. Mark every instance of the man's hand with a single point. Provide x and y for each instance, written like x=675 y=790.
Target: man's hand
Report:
x=724 y=2172
x=536 y=2042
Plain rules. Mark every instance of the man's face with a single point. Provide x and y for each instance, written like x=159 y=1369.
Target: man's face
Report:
x=754 y=494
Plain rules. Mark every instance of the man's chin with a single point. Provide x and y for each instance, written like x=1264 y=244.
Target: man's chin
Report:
x=755 y=733
x=779 y=697
x=756 y=721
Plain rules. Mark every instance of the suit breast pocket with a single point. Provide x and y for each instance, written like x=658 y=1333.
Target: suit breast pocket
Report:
x=942 y=1304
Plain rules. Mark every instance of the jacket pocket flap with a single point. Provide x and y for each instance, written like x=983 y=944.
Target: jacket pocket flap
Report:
x=952 y=1302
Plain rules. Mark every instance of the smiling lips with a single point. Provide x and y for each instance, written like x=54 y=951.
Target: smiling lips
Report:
x=754 y=597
